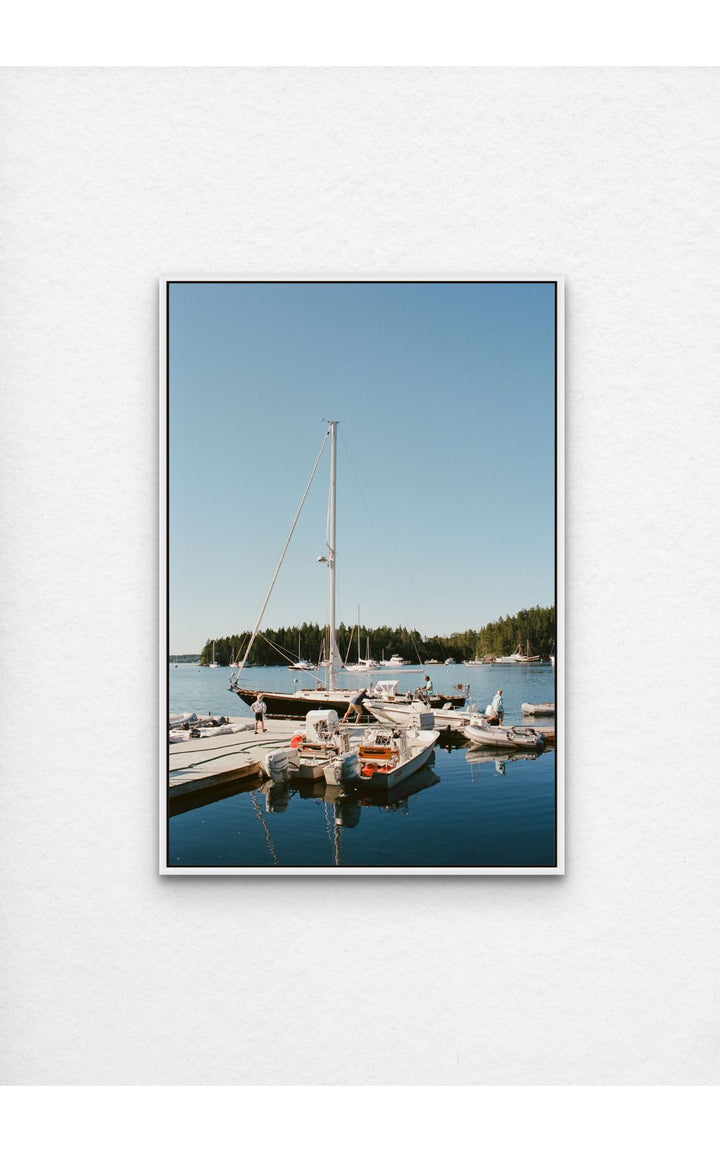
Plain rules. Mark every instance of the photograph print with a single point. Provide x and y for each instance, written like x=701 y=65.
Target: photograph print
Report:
x=361 y=648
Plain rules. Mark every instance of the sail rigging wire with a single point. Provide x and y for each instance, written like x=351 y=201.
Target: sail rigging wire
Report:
x=241 y=666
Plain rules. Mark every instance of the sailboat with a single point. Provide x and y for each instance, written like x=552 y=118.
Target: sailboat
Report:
x=212 y=662
x=300 y=665
x=519 y=657
x=477 y=662
x=328 y=695
x=364 y=664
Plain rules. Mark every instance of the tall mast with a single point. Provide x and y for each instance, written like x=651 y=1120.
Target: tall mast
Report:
x=331 y=549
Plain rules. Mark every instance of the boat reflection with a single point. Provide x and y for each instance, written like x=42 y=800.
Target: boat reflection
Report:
x=347 y=802
x=343 y=804
x=477 y=757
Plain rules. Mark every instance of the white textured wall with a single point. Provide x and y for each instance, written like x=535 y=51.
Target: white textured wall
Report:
x=110 y=178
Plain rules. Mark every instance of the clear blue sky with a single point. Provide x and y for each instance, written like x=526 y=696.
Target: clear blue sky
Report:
x=446 y=455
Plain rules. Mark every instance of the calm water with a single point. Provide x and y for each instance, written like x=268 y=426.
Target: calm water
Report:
x=466 y=808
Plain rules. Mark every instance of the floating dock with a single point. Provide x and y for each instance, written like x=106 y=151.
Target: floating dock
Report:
x=214 y=760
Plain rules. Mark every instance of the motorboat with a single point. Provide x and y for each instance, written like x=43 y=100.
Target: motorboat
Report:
x=389 y=756
x=394 y=662
x=546 y=709
x=396 y=712
x=497 y=736
x=377 y=758
x=322 y=751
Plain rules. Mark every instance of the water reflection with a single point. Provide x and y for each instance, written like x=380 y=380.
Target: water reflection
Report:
x=346 y=801
x=343 y=804
x=477 y=757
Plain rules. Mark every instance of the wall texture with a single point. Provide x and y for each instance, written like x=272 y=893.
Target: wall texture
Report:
x=112 y=177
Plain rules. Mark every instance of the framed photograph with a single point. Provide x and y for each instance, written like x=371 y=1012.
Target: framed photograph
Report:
x=361 y=577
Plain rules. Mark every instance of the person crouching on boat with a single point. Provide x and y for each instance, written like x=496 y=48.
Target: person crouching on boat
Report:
x=496 y=710
x=259 y=707
x=355 y=704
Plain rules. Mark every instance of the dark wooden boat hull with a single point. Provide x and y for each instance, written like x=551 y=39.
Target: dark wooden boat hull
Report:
x=287 y=705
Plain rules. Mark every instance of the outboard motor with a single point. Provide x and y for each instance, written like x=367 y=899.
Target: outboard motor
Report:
x=279 y=764
x=321 y=724
x=342 y=769
x=423 y=717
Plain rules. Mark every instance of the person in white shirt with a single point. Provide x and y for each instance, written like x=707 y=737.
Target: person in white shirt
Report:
x=259 y=707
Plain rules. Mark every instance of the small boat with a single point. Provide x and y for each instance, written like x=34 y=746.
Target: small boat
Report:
x=322 y=751
x=497 y=736
x=408 y=714
x=302 y=666
x=394 y=662
x=388 y=757
x=546 y=709
x=449 y=660
x=476 y=663
x=212 y=663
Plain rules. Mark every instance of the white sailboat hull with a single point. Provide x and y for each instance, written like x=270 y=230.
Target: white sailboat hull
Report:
x=408 y=714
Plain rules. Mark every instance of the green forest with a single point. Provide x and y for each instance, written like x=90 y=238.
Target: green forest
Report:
x=533 y=626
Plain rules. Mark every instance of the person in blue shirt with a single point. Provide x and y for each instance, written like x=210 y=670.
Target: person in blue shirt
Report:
x=355 y=704
x=497 y=708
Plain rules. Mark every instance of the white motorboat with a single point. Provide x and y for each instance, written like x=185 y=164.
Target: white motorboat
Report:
x=546 y=709
x=498 y=736
x=323 y=750
x=388 y=757
x=394 y=662
x=375 y=758
x=390 y=712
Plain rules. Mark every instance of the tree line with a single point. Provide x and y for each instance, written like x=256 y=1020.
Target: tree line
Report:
x=533 y=626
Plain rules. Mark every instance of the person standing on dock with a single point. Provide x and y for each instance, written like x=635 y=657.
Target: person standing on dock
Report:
x=259 y=707
x=355 y=704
